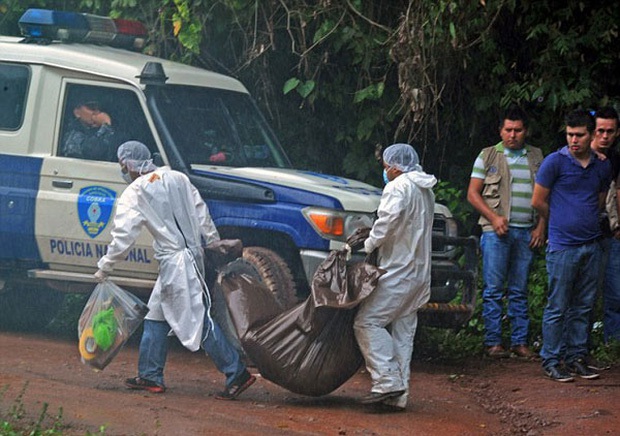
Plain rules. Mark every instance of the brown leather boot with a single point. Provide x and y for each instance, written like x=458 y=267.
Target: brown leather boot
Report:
x=523 y=351
x=497 y=352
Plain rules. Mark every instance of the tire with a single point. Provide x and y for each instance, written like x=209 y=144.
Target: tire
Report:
x=274 y=273
x=28 y=309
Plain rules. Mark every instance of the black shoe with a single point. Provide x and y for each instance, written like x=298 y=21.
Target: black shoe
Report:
x=579 y=367
x=377 y=397
x=559 y=374
x=144 y=385
x=231 y=392
x=596 y=365
x=382 y=408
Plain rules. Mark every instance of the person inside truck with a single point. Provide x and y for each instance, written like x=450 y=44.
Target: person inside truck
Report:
x=386 y=321
x=171 y=208
x=90 y=134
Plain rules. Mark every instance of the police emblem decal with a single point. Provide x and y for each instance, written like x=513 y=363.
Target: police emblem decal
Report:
x=95 y=205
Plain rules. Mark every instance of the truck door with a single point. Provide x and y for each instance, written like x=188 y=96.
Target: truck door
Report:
x=20 y=174
x=81 y=181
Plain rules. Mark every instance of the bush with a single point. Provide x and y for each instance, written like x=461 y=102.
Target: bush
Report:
x=14 y=422
x=469 y=341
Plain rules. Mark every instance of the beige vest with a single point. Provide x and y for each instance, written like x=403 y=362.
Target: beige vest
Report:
x=497 y=182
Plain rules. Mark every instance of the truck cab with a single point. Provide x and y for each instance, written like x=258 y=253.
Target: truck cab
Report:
x=56 y=207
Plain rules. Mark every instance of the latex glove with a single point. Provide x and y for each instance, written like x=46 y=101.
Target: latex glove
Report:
x=357 y=238
x=347 y=249
x=101 y=276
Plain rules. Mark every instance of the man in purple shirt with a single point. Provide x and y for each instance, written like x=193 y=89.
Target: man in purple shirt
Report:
x=570 y=191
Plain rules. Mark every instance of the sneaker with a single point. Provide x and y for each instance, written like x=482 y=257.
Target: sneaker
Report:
x=579 y=367
x=559 y=374
x=243 y=382
x=596 y=365
x=144 y=385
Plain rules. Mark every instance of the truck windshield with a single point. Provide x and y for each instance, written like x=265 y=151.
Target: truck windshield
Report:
x=218 y=127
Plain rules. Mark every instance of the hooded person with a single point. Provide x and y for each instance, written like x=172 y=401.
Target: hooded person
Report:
x=386 y=321
x=171 y=208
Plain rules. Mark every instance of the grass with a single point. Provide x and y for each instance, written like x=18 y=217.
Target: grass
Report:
x=15 y=421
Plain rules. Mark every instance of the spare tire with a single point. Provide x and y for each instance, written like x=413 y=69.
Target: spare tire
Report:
x=274 y=273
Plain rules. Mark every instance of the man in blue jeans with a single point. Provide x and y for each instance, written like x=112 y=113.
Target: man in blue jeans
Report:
x=570 y=191
x=170 y=207
x=604 y=143
x=500 y=189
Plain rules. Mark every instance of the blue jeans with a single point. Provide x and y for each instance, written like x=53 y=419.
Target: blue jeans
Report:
x=154 y=350
x=506 y=264
x=573 y=275
x=611 y=293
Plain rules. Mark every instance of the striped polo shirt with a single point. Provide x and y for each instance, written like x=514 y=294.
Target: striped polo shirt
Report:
x=520 y=188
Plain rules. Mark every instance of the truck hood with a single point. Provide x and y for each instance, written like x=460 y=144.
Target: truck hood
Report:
x=352 y=194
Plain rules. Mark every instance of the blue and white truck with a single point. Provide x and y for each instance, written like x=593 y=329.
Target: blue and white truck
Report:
x=55 y=210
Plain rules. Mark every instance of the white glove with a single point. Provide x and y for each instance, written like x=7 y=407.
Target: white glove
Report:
x=101 y=276
x=347 y=247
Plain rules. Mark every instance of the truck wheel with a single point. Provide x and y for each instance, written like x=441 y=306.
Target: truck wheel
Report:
x=274 y=273
x=28 y=309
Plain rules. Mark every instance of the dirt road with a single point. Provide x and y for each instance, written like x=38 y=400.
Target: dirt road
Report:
x=480 y=397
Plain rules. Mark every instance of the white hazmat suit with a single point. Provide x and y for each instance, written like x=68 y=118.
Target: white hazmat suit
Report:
x=174 y=213
x=402 y=234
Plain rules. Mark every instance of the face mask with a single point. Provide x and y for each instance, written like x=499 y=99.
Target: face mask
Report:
x=126 y=177
x=143 y=166
x=385 y=177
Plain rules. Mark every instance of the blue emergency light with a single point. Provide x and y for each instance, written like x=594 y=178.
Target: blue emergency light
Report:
x=44 y=25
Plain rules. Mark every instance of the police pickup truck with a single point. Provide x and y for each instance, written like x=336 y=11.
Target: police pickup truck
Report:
x=56 y=207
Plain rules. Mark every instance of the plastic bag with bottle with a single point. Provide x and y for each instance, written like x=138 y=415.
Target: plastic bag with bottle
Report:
x=109 y=318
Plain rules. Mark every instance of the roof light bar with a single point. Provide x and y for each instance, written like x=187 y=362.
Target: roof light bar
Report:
x=53 y=25
x=129 y=33
x=49 y=25
x=102 y=29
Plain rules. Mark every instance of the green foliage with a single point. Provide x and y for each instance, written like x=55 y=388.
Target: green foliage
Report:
x=432 y=73
x=605 y=353
x=291 y=84
x=537 y=296
x=470 y=339
x=65 y=322
x=14 y=422
x=455 y=199
x=187 y=26
x=371 y=92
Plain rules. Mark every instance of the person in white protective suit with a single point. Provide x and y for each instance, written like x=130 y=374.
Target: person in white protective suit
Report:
x=386 y=321
x=170 y=207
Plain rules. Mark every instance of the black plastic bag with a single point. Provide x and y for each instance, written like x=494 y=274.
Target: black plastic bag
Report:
x=311 y=348
x=218 y=255
x=358 y=237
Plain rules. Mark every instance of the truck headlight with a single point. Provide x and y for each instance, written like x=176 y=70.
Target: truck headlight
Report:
x=336 y=224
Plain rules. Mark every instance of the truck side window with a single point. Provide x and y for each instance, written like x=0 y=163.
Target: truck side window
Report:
x=13 y=90
x=98 y=119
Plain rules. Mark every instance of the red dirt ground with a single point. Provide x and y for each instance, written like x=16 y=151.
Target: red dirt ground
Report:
x=479 y=397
